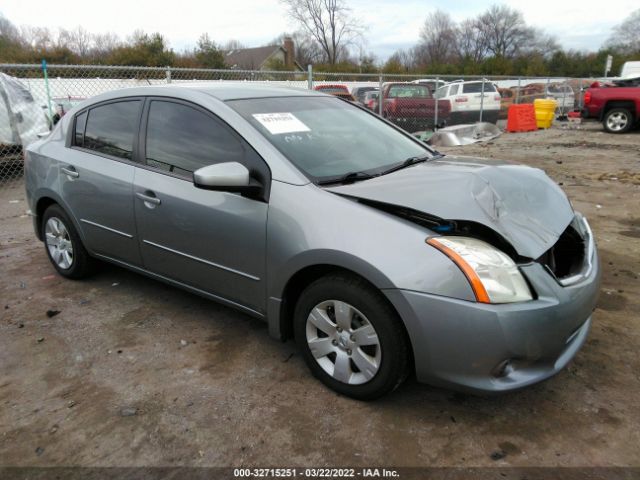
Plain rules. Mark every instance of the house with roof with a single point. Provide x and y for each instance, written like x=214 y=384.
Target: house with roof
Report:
x=273 y=57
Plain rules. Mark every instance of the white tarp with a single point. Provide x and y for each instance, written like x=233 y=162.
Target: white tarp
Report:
x=21 y=118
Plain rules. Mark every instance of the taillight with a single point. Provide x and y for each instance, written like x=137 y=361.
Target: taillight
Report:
x=497 y=98
x=587 y=97
x=462 y=99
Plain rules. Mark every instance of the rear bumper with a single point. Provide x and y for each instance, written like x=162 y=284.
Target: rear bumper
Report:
x=473 y=116
x=482 y=348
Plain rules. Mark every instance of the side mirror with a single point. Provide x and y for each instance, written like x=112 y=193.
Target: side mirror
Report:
x=226 y=177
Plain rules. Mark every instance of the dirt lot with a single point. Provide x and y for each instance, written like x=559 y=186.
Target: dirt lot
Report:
x=132 y=372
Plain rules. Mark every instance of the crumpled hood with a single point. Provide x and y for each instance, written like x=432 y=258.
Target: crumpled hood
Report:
x=520 y=203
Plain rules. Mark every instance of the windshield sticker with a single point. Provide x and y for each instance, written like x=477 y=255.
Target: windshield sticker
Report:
x=282 y=122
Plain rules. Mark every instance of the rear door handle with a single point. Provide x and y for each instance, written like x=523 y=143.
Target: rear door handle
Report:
x=70 y=171
x=149 y=199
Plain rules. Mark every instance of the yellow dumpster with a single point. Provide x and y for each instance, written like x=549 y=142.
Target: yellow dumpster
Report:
x=545 y=111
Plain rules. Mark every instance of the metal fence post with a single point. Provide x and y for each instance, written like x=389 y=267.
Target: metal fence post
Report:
x=46 y=84
x=518 y=90
x=481 y=99
x=380 y=99
x=310 y=76
x=546 y=93
x=168 y=74
x=435 y=114
x=580 y=95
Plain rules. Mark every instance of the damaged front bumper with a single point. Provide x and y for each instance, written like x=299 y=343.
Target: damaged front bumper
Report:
x=489 y=348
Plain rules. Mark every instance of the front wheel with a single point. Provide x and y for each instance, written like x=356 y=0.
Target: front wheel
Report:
x=618 y=120
x=351 y=338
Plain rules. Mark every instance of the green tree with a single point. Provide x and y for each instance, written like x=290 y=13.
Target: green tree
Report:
x=393 y=65
x=207 y=53
x=144 y=50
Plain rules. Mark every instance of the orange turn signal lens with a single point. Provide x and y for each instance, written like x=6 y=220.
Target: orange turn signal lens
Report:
x=474 y=280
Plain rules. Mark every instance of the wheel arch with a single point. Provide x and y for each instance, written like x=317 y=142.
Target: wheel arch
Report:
x=280 y=315
x=44 y=201
x=41 y=206
x=611 y=104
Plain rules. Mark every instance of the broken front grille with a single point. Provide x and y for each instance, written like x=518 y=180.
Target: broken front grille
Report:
x=568 y=258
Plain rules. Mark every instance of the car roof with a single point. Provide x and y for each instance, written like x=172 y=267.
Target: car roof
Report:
x=408 y=84
x=220 y=90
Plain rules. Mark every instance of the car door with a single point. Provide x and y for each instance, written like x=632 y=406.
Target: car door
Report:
x=96 y=177
x=213 y=241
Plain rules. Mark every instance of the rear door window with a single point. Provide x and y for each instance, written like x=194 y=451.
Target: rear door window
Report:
x=111 y=128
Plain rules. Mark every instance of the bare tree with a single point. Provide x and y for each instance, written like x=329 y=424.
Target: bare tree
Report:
x=543 y=44
x=329 y=22
x=437 y=38
x=308 y=50
x=8 y=30
x=470 y=42
x=626 y=35
x=37 y=37
x=504 y=31
x=78 y=40
x=81 y=41
x=104 y=43
x=233 y=44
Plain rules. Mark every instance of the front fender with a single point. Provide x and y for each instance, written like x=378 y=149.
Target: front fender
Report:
x=309 y=227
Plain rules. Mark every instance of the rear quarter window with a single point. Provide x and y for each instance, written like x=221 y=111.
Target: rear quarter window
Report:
x=476 y=87
x=78 y=133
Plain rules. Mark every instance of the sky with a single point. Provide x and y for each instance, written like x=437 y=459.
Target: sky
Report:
x=576 y=24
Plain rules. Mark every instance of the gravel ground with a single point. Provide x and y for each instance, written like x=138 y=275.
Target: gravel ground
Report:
x=120 y=370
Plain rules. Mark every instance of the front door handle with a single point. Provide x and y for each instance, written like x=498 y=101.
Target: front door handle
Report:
x=70 y=171
x=149 y=199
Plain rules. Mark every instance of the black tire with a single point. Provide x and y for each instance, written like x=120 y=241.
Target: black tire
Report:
x=612 y=126
x=82 y=264
x=393 y=341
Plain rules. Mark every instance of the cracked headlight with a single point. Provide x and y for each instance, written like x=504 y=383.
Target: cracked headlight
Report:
x=493 y=276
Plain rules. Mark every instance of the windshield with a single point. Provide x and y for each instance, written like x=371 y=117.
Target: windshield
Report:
x=326 y=137
x=404 y=91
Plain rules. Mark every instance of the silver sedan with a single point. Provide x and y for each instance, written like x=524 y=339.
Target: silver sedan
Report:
x=377 y=254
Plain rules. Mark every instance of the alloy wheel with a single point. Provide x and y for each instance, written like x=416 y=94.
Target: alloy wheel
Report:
x=343 y=342
x=617 y=121
x=59 y=243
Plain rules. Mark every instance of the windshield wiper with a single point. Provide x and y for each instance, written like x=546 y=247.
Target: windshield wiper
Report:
x=348 y=178
x=407 y=163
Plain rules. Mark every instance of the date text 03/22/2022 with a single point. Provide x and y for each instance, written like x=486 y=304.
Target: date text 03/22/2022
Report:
x=315 y=473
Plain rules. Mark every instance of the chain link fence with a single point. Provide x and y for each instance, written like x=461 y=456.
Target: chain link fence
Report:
x=33 y=99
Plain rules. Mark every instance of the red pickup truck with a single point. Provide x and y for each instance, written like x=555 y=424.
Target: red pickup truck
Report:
x=412 y=106
x=616 y=105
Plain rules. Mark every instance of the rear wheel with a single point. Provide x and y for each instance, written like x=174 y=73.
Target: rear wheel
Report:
x=351 y=338
x=618 y=120
x=63 y=245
